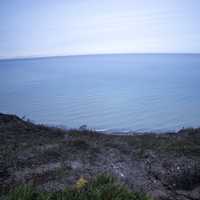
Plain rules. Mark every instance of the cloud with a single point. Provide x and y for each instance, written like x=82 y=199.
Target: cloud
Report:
x=81 y=27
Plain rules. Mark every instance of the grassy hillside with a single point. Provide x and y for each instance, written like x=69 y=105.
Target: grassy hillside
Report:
x=164 y=166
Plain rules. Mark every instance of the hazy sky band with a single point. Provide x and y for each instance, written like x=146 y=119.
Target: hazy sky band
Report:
x=70 y=27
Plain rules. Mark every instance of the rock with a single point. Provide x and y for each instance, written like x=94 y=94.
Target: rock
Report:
x=158 y=194
x=76 y=165
x=195 y=194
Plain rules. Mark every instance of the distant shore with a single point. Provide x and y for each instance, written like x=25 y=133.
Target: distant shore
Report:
x=100 y=54
x=165 y=166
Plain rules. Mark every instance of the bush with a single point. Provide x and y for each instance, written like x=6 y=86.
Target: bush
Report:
x=104 y=187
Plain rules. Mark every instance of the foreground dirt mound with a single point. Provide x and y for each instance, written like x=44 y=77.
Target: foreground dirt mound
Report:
x=166 y=166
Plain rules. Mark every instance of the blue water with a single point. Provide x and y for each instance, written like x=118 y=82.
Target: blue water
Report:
x=108 y=92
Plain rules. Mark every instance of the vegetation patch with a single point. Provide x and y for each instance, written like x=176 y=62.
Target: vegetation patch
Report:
x=79 y=145
x=50 y=159
x=103 y=187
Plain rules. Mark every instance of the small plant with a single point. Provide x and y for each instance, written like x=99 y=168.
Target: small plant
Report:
x=81 y=183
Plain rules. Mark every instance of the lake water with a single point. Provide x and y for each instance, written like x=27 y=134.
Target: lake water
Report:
x=105 y=92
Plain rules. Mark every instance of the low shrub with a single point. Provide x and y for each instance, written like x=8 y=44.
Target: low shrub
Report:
x=103 y=187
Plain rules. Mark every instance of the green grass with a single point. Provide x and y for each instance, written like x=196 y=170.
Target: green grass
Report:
x=103 y=187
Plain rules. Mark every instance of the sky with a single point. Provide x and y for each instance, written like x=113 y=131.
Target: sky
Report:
x=73 y=27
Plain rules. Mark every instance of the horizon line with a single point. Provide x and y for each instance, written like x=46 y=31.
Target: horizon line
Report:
x=93 y=54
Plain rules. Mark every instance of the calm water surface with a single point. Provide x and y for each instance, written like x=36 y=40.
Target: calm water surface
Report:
x=112 y=92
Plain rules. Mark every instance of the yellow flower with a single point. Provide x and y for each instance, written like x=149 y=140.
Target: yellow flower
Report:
x=81 y=183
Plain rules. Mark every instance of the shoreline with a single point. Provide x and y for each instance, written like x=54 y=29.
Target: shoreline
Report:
x=165 y=166
x=31 y=57
x=120 y=132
